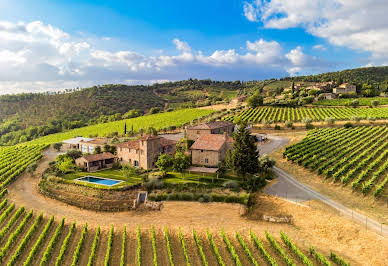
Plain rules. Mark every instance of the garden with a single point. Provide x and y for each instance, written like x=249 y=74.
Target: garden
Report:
x=242 y=173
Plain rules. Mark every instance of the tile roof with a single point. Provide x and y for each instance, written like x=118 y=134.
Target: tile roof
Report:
x=212 y=125
x=98 y=157
x=135 y=144
x=210 y=142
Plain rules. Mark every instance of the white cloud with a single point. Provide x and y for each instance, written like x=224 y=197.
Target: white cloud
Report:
x=181 y=45
x=360 y=25
x=320 y=47
x=251 y=10
x=37 y=57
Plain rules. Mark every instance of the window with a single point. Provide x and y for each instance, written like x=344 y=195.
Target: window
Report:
x=136 y=163
x=206 y=160
x=201 y=150
x=198 y=132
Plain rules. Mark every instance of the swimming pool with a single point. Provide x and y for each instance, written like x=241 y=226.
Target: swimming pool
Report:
x=99 y=180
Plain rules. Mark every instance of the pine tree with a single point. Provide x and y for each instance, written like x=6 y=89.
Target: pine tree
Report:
x=243 y=159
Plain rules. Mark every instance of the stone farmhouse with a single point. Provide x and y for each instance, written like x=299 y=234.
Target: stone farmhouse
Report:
x=345 y=88
x=217 y=127
x=95 y=162
x=144 y=152
x=210 y=149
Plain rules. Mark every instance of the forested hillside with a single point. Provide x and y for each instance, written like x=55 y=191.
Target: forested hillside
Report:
x=27 y=116
x=371 y=75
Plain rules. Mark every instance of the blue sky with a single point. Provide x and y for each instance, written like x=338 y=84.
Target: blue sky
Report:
x=64 y=44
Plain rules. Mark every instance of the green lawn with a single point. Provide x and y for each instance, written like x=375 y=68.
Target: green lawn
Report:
x=108 y=173
x=177 y=178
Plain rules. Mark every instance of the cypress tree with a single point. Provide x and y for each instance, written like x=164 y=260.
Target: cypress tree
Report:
x=125 y=128
x=243 y=159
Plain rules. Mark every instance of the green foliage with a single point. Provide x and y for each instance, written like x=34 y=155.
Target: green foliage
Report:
x=163 y=163
x=123 y=246
x=338 y=260
x=181 y=162
x=2 y=194
x=215 y=249
x=138 y=250
x=255 y=101
x=182 y=240
x=246 y=249
x=168 y=245
x=295 y=249
x=231 y=249
x=266 y=163
x=57 y=146
x=23 y=243
x=109 y=246
x=65 y=245
x=98 y=150
x=80 y=244
x=271 y=261
x=243 y=159
x=53 y=241
x=15 y=234
x=11 y=222
x=279 y=249
x=5 y=214
x=94 y=247
x=154 y=251
x=269 y=115
x=39 y=242
x=199 y=247
x=319 y=257
x=158 y=121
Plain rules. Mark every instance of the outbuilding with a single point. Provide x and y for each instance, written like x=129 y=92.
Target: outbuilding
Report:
x=95 y=162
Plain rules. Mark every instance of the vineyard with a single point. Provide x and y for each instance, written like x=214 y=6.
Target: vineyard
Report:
x=279 y=114
x=356 y=157
x=158 y=121
x=27 y=238
x=15 y=159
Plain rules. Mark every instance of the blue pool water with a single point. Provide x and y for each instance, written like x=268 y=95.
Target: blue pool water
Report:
x=99 y=180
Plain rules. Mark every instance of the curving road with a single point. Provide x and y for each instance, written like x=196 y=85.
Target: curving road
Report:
x=291 y=189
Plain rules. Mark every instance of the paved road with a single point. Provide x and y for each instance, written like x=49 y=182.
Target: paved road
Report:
x=293 y=190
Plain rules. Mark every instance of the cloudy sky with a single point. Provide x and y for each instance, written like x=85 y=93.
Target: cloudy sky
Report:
x=67 y=44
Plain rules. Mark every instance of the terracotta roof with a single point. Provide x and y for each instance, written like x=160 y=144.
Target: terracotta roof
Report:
x=212 y=125
x=210 y=142
x=98 y=157
x=132 y=144
x=135 y=144
x=167 y=142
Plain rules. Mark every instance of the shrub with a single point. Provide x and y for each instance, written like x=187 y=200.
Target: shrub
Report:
x=356 y=118
x=289 y=124
x=348 y=125
x=277 y=127
x=330 y=120
x=232 y=184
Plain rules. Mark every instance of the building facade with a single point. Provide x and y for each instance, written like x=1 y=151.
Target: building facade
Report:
x=144 y=152
x=217 y=127
x=210 y=149
x=345 y=88
x=95 y=162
